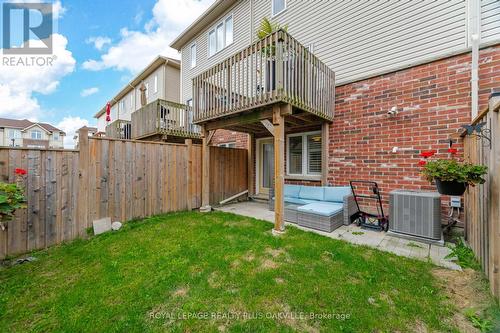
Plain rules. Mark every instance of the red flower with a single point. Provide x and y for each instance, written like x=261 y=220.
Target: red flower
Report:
x=427 y=154
x=20 y=172
x=422 y=162
x=452 y=151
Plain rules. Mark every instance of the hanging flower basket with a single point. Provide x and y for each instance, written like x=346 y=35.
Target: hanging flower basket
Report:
x=451 y=176
x=450 y=187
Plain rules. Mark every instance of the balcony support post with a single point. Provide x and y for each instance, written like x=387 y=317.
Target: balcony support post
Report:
x=205 y=172
x=250 y=165
x=279 y=168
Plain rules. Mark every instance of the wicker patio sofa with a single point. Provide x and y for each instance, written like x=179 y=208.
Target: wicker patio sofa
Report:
x=323 y=208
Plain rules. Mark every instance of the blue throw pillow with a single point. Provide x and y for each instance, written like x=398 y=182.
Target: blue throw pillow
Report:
x=292 y=191
x=337 y=193
x=312 y=193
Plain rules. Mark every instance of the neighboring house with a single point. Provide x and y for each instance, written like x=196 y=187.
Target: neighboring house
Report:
x=24 y=133
x=431 y=64
x=129 y=119
x=93 y=131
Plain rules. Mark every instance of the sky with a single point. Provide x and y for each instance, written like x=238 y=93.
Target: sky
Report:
x=98 y=46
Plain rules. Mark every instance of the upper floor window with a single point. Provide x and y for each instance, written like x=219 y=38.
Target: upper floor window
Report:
x=193 y=55
x=304 y=154
x=131 y=99
x=122 y=105
x=278 y=6
x=220 y=36
x=55 y=136
x=14 y=134
x=36 y=134
x=147 y=89
x=156 y=84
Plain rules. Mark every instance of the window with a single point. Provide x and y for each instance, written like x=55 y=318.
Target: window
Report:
x=193 y=55
x=55 y=136
x=122 y=105
x=227 y=144
x=229 y=31
x=156 y=84
x=211 y=43
x=14 y=134
x=220 y=36
x=304 y=154
x=132 y=101
x=147 y=89
x=278 y=6
x=36 y=135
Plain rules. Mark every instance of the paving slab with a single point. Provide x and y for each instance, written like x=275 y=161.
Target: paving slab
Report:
x=356 y=235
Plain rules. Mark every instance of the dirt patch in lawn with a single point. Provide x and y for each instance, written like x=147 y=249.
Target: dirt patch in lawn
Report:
x=268 y=264
x=465 y=291
x=181 y=292
x=274 y=252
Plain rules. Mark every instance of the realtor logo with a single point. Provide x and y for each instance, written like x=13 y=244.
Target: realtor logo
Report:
x=27 y=28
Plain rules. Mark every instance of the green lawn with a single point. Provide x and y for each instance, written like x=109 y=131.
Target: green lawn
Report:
x=155 y=274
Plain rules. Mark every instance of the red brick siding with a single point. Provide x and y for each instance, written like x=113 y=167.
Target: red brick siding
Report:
x=433 y=101
x=225 y=136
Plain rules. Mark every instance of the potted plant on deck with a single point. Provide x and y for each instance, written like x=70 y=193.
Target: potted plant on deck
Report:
x=450 y=175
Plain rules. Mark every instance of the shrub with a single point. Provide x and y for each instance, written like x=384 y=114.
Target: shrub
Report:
x=11 y=198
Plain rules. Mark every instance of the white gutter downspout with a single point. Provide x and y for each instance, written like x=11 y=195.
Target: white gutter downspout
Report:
x=475 y=40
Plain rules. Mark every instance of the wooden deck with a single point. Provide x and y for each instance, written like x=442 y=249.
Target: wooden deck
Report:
x=119 y=129
x=162 y=117
x=276 y=69
x=270 y=88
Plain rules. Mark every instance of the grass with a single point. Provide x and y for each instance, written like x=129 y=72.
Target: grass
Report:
x=229 y=271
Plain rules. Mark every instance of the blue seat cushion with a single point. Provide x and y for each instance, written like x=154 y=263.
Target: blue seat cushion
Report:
x=322 y=208
x=296 y=201
x=336 y=193
x=292 y=191
x=311 y=193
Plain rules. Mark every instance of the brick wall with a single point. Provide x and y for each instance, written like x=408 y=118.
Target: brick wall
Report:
x=225 y=136
x=433 y=101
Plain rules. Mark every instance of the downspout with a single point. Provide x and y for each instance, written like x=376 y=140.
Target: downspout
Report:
x=475 y=41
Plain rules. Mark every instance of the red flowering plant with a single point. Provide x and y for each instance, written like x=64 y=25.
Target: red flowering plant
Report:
x=12 y=198
x=451 y=175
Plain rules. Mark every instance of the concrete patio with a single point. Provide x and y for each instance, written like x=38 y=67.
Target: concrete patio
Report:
x=356 y=235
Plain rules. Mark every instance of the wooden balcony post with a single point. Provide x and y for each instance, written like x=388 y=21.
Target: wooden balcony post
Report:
x=250 y=166
x=205 y=180
x=279 y=169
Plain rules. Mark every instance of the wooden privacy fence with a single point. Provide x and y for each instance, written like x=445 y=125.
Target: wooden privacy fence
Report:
x=482 y=202
x=67 y=190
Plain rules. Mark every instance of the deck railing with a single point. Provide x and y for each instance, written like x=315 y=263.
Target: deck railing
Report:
x=164 y=117
x=274 y=69
x=119 y=129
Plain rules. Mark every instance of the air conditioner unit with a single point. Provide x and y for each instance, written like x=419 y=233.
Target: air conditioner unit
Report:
x=416 y=215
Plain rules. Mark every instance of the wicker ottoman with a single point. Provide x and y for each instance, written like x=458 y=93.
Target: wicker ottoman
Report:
x=321 y=216
x=291 y=212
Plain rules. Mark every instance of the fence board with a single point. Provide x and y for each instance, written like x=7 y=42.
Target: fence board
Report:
x=67 y=189
x=482 y=202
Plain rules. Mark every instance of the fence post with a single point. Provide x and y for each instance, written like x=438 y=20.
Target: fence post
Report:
x=83 y=169
x=189 y=173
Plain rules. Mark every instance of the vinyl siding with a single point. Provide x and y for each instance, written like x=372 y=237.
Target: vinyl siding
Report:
x=490 y=21
x=168 y=88
x=357 y=39
x=241 y=38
